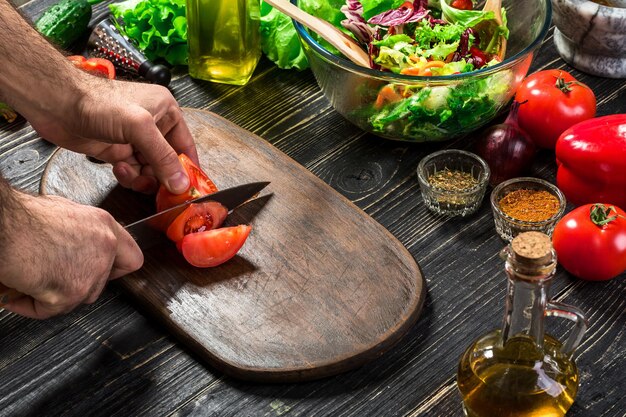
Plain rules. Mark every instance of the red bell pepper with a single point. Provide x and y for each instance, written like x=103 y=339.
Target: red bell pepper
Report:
x=591 y=159
x=97 y=66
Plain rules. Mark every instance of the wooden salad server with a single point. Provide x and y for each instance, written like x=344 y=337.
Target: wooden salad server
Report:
x=495 y=6
x=344 y=43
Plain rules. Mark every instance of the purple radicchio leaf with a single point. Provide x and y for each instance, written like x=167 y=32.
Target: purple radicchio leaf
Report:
x=355 y=22
x=434 y=21
x=463 y=49
x=406 y=13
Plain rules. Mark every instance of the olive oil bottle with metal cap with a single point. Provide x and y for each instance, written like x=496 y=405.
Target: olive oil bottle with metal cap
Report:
x=520 y=371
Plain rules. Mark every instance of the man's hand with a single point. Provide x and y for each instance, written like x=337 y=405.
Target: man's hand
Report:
x=135 y=126
x=139 y=128
x=61 y=254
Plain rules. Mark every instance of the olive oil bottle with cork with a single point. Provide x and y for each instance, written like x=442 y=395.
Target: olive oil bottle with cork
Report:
x=520 y=371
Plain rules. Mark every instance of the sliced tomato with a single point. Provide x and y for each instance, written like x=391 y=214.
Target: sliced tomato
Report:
x=97 y=66
x=214 y=247
x=199 y=184
x=197 y=218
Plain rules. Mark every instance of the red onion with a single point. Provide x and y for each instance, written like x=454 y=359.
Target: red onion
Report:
x=506 y=148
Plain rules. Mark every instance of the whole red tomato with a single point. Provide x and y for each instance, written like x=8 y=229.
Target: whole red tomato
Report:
x=555 y=100
x=590 y=242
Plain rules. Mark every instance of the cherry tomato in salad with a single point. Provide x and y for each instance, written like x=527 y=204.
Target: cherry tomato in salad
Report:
x=213 y=247
x=590 y=242
x=199 y=184
x=97 y=66
x=197 y=218
x=555 y=101
x=462 y=4
x=478 y=58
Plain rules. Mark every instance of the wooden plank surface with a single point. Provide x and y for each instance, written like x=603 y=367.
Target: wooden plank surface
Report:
x=318 y=288
x=141 y=371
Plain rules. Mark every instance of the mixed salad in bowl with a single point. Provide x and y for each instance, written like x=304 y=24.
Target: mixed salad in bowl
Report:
x=436 y=39
x=431 y=75
x=418 y=38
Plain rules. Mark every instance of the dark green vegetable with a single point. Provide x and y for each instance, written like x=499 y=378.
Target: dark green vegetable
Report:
x=66 y=21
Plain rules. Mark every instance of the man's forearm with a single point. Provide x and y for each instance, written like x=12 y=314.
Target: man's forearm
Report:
x=32 y=70
x=9 y=204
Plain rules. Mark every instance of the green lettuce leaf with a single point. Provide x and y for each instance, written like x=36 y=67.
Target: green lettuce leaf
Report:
x=435 y=111
x=373 y=7
x=483 y=21
x=279 y=40
x=158 y=27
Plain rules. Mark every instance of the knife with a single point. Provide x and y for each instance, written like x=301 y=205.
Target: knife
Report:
x=146 y=231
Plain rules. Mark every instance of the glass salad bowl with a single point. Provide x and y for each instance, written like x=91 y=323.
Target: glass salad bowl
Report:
x=428 y=108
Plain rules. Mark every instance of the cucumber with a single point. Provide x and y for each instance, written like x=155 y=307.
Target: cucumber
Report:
x=66 y=21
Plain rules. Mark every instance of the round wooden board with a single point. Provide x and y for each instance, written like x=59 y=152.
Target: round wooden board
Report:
x=319 y=287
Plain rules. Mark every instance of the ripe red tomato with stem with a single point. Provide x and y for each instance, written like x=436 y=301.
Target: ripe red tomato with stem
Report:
x=555 y=101
x=213 y=247
x=590 y=242
x=197 y=218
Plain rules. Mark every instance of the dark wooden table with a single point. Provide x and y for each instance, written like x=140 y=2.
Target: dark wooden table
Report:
x=110 y=359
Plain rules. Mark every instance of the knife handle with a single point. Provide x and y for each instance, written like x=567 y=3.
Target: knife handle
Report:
x=8 y=294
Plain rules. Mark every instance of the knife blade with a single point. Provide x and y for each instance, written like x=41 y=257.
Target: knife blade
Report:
x=147 y=233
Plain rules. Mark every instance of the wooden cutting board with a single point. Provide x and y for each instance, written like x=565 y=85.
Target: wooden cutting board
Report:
x=318 y=288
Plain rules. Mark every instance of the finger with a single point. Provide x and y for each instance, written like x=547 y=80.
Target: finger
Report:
x=96 y=291
x=181 y=140
x=145 y=184
x=128 y=257
x=29 y=307
x=147 y=138
x=125 y=174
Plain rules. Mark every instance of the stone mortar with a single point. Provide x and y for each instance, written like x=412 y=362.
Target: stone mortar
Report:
x=591 y=37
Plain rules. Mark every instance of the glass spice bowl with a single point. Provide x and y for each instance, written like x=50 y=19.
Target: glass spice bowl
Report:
x=508 y=227
x=453 y=182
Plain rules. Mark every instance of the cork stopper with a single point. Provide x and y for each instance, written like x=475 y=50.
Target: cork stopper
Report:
x=532 y=248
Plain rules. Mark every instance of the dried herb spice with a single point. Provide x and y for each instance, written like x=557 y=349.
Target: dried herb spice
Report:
x=530 y=205
x=452 y=180
x=452 y=187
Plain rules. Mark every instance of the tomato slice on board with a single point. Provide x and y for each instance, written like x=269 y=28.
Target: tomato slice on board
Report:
x=97 y=66
x=213 y=247
x=199 y=184
x=197 y=218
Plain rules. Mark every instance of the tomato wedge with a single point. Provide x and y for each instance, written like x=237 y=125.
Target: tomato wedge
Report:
x=199 y=184
x=197 y=218
x=213 y=247
x=97 y=66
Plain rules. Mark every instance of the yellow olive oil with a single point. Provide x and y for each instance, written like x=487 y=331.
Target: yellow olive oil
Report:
x=224 y=39
x=517 y=379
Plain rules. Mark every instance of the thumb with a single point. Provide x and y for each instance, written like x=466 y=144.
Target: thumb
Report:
x=162 y=158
